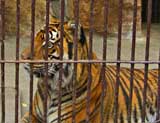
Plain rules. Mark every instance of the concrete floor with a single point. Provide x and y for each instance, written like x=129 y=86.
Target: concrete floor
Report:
x=10 y=50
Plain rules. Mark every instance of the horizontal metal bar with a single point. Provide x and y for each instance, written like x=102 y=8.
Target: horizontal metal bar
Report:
x=82 y=61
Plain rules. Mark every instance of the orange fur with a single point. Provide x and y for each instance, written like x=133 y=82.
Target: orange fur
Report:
x=96 y=85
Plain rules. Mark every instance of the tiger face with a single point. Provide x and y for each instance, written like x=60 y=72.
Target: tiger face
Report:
x=54 y=52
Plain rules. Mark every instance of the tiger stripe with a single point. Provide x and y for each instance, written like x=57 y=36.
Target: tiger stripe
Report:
x=81 y=83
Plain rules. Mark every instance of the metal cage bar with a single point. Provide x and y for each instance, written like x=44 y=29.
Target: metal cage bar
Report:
x=106 y=5
x=17 y=58
x=76 y=17
x=146 y=59
x=83 y=61
x=46 y=58
x=120 y=7
x=32 y=57
x=132 y=59
x=62 y=14
x=89 y=65
x=2 y=39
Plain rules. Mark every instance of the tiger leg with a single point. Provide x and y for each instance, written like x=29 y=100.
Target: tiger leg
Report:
x=25 y=119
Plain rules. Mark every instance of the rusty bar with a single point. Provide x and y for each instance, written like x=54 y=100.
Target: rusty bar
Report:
x=132 y=59
x=82 y=61
x=120 y=7
x=2 y=25
x=2 y=21
x=46 y=59
x=32 y=55
x=17 y=58
x=158 y=91
x=106 y=5
x=146 y=59
x=76 y=17
x=89 y=58
x=61 y=58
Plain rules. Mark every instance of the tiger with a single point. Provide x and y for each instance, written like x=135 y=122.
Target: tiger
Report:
x=81 y=85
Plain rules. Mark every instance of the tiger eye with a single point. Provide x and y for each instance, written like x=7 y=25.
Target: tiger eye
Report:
x=50 y=44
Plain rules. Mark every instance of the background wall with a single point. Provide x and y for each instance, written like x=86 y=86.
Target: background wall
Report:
x=25 y=16
x=113 y=15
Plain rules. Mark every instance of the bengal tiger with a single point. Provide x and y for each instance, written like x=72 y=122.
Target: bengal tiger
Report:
x=81 y=83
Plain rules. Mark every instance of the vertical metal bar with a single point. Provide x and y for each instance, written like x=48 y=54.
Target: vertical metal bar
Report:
x=76 y=16
x=158 y=98
x=2 y=38
x=32 y=56
x=61 y=58
x=118 y=59
x=46 y=59
x=89 y=65
x=104 y=58
x=149 y=14
x=17 y=58
x=132 y=59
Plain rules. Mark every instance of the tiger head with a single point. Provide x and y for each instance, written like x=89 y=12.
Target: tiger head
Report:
x=54 y=52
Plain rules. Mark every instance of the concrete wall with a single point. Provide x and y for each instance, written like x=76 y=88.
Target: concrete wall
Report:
x=99 y=14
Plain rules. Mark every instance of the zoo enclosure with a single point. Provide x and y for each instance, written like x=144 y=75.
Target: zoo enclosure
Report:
x=104 y=61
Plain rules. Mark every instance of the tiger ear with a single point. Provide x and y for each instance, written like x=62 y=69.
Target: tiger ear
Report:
x=53 y=19
x=82 y=36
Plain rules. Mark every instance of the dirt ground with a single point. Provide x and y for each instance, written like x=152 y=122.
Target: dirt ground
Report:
x=10 y=44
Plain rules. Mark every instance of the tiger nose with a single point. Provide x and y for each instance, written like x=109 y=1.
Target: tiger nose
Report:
x=25 y=56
